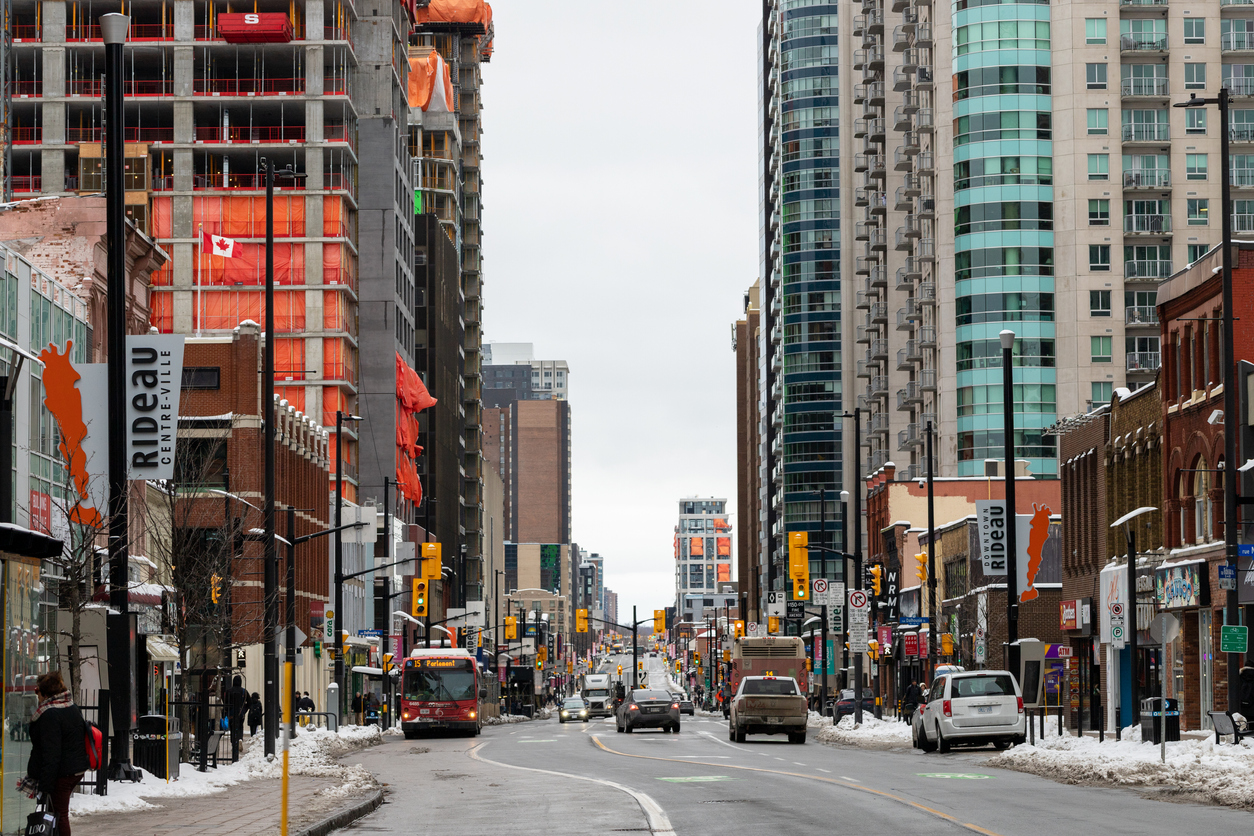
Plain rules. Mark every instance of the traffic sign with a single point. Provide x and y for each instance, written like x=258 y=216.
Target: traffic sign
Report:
x=775 y=604
x=1164 y=628
x=979 y=650
x=1227 y=576
x=1245 y=550
x=1117 y=637
x=857 y=600
x=752 y=629
x=979 y=633
x=1116 y=609
x=820 y=588
x=1233 y=638
x=836 y=619
x=858 y=639
x=796 y=610
x=914 y=620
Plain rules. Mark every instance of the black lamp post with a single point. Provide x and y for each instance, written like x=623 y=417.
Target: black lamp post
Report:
x=120 y=638
x=1012 y=546
x=844 y=615
x=857 y=551
x=340 y=418
x=1232 y=613
x=934 y=631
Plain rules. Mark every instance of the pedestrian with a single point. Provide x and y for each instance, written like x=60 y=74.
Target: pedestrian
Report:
x=236 y=700
x=255 y=713
x=58 y=755
x=1246 y=675
x=912 y=698
x=307 y=703
x=358 y=706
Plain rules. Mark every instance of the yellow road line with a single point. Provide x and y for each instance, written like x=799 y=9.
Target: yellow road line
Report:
x=858 y=787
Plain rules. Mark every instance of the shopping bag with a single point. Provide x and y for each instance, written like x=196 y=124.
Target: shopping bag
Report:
x=41 y=822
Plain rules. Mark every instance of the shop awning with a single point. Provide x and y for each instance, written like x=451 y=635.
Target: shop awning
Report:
x=367 y=670
x=161 y=651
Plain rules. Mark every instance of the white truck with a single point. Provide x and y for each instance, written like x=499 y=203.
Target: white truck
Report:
x=595 y=690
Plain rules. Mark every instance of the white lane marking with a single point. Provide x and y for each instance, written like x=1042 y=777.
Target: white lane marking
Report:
x=779 y=759
x=798 y=763
x=653 y=812
x=821 y=769
x=847 y=778
x=717 y=740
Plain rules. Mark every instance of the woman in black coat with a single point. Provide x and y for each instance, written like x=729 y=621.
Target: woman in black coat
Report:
x=58 y=756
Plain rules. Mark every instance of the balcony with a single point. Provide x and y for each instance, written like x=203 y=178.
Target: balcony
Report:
x=923 y=78
x=914 y=350
x=877 y=422
x=1150 y=269
x=1141 y=315
x=901 y=38
x=913 y=268
x=1147 y=178
x=879 y=276
x=902 y=119
x=862 y=301
x=1145 y=133
x=1240 y=86
x=927 y=337
x=1147 y=224
x=878 y=315
x=863 y=335
x=879 y=352
x=878 y=239
x=910 y=102
x=1146 y=87
x=923 y=34
x=865 y=368
x=904 y=280
x=908 y=438
x=863 y=265
x=927 y=294
x=1236 y=2
x=925 y=250
x=910 y=143
x=927 y=380
x=1143 y=43
x=1241 y=133
x=905 y=320
x=1237 y=42
x=926 y=164
x=873 y=129
x=1143 y=361
x=904 y=241
x=1126 y=3
x=902 y=79
x=903 y=161
x=913 y=185
x=923 y=120
x=904 y=363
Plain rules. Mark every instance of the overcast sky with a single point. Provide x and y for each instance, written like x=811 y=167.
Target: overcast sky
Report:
x=620 y=233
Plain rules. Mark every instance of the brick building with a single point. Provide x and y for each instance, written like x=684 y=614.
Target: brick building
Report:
x=749 y=542
x=220 y=447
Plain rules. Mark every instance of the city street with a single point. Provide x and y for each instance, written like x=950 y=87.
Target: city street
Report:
x=547 y=778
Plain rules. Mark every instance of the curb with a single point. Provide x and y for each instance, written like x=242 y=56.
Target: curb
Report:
x=345 y=816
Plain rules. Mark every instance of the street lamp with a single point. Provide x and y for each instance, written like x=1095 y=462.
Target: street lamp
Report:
x=934 y=632
x=340 y=418
x=1012 y=546
x=1130 y=535
x=857 y=548
x=1231 y=502
x=844 y=563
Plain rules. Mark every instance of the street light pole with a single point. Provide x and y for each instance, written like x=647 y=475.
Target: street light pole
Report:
x=114 y=28
x=340 y=418
x=844 y=617
x=823 y=610
x=1012 y=546
x=270 y=557
x=934 y=630
x=857 y=551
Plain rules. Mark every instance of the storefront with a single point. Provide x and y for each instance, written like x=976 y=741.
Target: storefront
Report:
x=1182 y=588
x=1116 y=656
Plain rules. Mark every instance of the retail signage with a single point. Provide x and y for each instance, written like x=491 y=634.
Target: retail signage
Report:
x=1069 y=615
x=1245 y=579
x=890 y=600
x=991 y=520
x=910 y=644
x=886 y=637
x=1182 y=585
x=154 y=379
x=836 y=619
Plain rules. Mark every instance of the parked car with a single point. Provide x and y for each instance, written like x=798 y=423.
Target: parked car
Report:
x=973 y=708
x=573 y=709
x=843 y=705
x=685 y=704
x=768 y=705
x=647 y=709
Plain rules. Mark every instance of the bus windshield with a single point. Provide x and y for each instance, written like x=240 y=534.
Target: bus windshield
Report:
x=439 y=685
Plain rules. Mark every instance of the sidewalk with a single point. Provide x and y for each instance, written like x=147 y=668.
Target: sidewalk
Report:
x=249 y=809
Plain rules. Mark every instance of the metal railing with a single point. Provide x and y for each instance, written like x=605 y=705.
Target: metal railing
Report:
x=1148 y=269
x=1237 y=41
x=1145 y=133
x=1143 y=361
x=1141 y=315
x=1152 y=224
x=1143 y=43
x=1144 y=87
x=1147 y=178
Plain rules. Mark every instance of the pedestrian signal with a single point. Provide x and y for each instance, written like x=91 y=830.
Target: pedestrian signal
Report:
x=772 y=624
x=921 y=571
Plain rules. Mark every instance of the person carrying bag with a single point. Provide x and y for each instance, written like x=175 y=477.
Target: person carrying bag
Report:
x=58 y=756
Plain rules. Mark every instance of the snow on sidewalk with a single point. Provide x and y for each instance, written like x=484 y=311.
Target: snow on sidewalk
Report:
x=872 y=734
x=314 y=753
x=1199 y=769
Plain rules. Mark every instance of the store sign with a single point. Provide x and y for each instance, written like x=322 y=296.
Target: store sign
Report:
x=1182 y=586
x=993 y=523
x=1069 y=615
x=1245 y=579
x=154 y=379
x=910 y=644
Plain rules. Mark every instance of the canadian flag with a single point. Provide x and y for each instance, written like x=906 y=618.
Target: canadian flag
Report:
x=225 y=247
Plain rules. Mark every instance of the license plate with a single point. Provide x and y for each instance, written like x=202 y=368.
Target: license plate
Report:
x=984 y=709
x=424 y=711
x=774 y=720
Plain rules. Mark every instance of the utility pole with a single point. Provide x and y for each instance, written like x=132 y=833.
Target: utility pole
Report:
x=823 y=609
x=634 y=678
x=857 y=550
x=844 y=563
x=1012 y=524
x=270 y=557
x=934 y=631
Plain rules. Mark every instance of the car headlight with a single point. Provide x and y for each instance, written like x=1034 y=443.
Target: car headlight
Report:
x=564 y=713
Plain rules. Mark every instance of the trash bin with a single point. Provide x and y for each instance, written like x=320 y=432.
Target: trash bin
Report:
x=1152 y=719
x=156 y=747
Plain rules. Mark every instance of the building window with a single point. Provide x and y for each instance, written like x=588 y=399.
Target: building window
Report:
x=1194 y=76
x=1099 y=257
x=1202 y=529
x=1194 y=30
x=201 y=377
x=1198 y=211
x=1097 y=117
x=1100 y=349
x=1099 y=212
x=1095 y=76
x=1196 y=251
x=1099 y=166
x=1095 y=30
x=1195 y=166
x=1195 y=121
x=1102 y=392
x=1099 y=303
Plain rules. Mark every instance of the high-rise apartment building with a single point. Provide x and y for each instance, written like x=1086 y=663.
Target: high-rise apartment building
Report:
x=703 y=558
x=801 y=151
x=746 y=342
x=549 y=379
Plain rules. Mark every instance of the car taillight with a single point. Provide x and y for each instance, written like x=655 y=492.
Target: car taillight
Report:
x=947 y=707
x=1020 y=701
x=674 y=705
x=633 y=707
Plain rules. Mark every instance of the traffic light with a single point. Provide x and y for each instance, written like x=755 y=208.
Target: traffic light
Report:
x=581 y=621
x=511 y=627
x=640 y=666
x=215 y=589
x=799 y=554
x=677 y=665
x=772 y=624
x=620 y=670
x=801 y=589
x=344 y=643
x=876 y=579
x=740 y=629
x=387 y=662
x=419 y=608
x=432 y=560
x=570 y=666
x=542 y=654
x=921 y=572
x=659 y=621
x=873 y=649
x=539 y=664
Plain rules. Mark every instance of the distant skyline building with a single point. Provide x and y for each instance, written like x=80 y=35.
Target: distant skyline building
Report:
x=703 y=557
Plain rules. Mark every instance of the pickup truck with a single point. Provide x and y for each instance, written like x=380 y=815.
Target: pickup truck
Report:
x=768 y=705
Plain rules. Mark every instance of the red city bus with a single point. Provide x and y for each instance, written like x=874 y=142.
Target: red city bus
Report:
x=440 y=689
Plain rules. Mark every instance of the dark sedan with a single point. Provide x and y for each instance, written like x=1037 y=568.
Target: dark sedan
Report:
x=685 y=705
x=843 y=706
x=647 y=709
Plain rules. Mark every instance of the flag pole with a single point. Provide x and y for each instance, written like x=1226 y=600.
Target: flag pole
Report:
x=200 y=293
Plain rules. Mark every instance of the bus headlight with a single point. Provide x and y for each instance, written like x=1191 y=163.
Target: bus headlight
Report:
x=472 y=715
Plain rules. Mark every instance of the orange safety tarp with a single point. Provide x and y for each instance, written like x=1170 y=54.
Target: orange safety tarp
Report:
x=334 y=317
x=235 y=216
x=338 y=360
x=696 y=546
x=724 y=572
x=430 y=83
x=454 y=11
x=294 y=395
x=720 y=524
x=407 y=481
x=289 y=359
x=410 y=390
x=223 y=310
x=723 y=545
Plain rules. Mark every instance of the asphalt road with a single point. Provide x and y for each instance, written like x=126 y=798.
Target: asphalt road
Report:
x=547 y=778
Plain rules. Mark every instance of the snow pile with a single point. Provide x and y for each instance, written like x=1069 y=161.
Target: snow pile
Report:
x=506 y=719
x=313 y=753
x=1198 y=769
x=872 y=734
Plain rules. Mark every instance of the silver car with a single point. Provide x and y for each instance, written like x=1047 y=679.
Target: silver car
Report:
x=973 y=708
